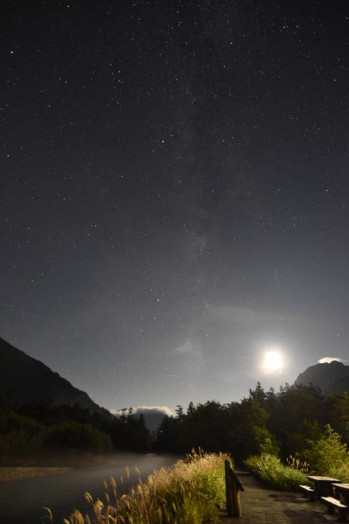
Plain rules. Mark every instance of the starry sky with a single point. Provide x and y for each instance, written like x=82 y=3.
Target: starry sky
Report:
x=174 y=192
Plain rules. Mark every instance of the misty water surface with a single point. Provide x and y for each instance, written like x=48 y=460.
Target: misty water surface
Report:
x=21 y=501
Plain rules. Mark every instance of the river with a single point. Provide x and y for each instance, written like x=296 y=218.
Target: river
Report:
x=22 y=501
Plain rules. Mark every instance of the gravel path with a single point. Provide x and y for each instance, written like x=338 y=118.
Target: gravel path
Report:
x=260 y=505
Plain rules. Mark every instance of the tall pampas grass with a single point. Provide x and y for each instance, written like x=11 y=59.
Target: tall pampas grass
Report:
x=189 y=492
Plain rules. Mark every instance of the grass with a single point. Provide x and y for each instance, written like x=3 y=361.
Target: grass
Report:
x=186 y=493
x=272 y=472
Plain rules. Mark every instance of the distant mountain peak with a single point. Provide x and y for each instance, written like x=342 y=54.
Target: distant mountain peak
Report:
x=331 y=377
x=333 y=363
x=25 y=380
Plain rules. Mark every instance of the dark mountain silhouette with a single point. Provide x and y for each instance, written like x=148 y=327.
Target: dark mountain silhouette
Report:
x=25 y=380
x=331 y=377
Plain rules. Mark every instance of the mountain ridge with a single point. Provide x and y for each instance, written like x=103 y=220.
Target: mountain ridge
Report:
x=26 y=380
x=330 y=377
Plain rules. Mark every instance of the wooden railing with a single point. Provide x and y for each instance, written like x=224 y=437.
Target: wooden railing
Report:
x=232 y=487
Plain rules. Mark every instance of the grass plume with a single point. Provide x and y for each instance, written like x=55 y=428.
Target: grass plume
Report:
x=186 y=493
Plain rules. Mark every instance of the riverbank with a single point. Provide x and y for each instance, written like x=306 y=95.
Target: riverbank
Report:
x=22 y=500
x=52 y=464
x=24 y=472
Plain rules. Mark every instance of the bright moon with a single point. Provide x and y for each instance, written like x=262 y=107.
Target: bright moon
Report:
x=272 y=361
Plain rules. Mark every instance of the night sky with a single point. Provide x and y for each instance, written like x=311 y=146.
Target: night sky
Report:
x=174 y=192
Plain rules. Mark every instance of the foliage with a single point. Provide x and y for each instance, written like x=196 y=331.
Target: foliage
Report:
x=296 y=414
x=337 y=408
x=265 y=441
x=129 y=432
x=32 y=432
x=328 y=455
x=275 y=474
x=187 y=493
x=249 y=422
x=277 y=423
x=19 y=435
x=280 y=423
x=74 y=435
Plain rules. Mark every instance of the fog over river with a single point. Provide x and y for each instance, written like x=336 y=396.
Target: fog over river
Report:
x=22 y=501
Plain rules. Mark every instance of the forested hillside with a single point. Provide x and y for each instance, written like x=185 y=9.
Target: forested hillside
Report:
x=40 y=433
x=281 y=423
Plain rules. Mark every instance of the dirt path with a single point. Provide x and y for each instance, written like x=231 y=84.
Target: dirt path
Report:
x=264 y=506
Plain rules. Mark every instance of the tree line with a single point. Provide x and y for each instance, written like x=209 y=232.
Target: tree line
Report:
x=41 y=432
x=282 y=423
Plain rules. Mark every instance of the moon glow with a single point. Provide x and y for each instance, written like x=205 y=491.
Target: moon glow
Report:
x=273 y=361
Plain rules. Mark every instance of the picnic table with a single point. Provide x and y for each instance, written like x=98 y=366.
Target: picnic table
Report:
x=331 y=492
x=322 y=485
x=341 y=491
x=339 y=500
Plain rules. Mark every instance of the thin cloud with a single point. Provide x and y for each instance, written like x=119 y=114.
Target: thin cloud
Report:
x=189 y=348
x=242 y=316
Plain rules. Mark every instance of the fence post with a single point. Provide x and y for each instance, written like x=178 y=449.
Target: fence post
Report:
x=232 y=488
x=235 y=495
x=228 y=488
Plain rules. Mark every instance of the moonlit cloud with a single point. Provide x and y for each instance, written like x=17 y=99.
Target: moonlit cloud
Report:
x=153 y=415
x=328 y=360
x=138 y=410
x=154 y=409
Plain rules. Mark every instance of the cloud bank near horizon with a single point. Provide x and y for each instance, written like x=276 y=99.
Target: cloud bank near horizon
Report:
x=146 y=410
x=328 y=360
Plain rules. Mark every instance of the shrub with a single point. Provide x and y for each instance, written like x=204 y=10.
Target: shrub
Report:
x=328 y=455
x=265 y=441
x=277 y=475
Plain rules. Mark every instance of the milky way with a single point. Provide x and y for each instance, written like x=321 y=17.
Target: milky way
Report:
x=174 y=192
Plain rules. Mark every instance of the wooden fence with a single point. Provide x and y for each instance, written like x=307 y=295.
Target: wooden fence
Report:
x=232 y=487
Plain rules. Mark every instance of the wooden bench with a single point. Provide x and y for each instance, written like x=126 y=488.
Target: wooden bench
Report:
x=308 y=492
x=333 y=503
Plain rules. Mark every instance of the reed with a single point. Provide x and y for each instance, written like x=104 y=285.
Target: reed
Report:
x=189 y=492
